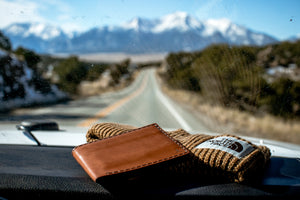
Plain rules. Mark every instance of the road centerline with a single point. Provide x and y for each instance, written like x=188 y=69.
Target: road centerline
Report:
x=109 y=109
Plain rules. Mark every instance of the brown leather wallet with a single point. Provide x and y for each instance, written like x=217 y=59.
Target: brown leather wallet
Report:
x=130 y=151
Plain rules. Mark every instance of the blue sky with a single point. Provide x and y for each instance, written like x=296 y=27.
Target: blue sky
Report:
x=279 y=18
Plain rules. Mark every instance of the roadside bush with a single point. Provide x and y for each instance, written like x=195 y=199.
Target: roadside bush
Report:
x=95 y=71
x=32 y=59
x=180 y=73
x=70 y=72
x=119 y=70
x=282 y=98
x=231 y=76
x=283 y=54
x=228 y=75
x=10 y=73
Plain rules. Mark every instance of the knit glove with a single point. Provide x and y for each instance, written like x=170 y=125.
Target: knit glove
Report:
x=222 y=158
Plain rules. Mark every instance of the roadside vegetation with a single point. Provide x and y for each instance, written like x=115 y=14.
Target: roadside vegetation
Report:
x=28 y=78
x=21 y=81
x=237 y=77
x=241 y=79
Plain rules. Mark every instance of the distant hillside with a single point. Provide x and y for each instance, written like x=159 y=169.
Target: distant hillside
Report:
x=20 y=84
x=173 y=32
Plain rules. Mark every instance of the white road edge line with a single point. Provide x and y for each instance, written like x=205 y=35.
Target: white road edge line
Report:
x=172 y=110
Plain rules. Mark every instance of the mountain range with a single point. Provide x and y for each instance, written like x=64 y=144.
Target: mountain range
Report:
x=174 y=32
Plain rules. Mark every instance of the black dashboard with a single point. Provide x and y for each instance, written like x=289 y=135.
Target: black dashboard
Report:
x=51 y=172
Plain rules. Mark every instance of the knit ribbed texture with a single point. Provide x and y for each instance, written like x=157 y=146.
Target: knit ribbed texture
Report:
x=206 y=163
x=105 y=130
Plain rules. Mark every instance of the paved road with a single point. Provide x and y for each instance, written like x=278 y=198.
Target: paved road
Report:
x=140 y=104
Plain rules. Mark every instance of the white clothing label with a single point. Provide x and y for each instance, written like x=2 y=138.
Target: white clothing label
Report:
x=230 y=145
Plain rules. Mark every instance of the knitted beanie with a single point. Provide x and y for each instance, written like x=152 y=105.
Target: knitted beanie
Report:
x=219 y=158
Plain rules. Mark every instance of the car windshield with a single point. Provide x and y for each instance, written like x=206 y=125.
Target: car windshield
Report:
x=225 y=67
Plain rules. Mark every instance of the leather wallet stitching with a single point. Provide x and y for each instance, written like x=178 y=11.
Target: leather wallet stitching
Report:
x=153 y=162
x=186 y=151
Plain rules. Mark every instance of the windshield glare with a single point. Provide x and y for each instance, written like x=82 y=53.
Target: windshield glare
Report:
x=202 y=66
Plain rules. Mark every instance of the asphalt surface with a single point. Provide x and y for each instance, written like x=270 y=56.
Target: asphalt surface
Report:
x=140 y=104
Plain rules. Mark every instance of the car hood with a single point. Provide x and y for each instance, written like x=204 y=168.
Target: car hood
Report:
x=74 y=136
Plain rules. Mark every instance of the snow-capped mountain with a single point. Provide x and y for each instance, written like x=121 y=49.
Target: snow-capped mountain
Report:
x=294 y=38
x=173 y=32
x=37 y=36
x=179 y=21
x=43 y=31
x=139 y=24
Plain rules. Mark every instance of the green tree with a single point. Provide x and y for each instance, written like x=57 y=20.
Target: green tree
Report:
x=95 y=71
x=31 y=58
x=4 y=42
x=283 y=98
x=118 y=70
x=180 y=73
x=10 y=73
x=70 y=72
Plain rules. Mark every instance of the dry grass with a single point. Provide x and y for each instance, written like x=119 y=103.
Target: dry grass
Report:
x=119 y=57
x=221 y=119
x=102 y=85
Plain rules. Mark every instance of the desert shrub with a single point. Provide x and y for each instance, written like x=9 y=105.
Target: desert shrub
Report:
x=282 y=98
x=119 y=70
x=233 y=76
x=283 y=54
x=70 y=72
x=95 y=70
x=180 y=73
x=228 y=75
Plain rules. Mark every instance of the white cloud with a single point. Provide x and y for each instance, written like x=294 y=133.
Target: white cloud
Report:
x=215 y=9
x=18 y=11
x=69 y=28
x=54 y=12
